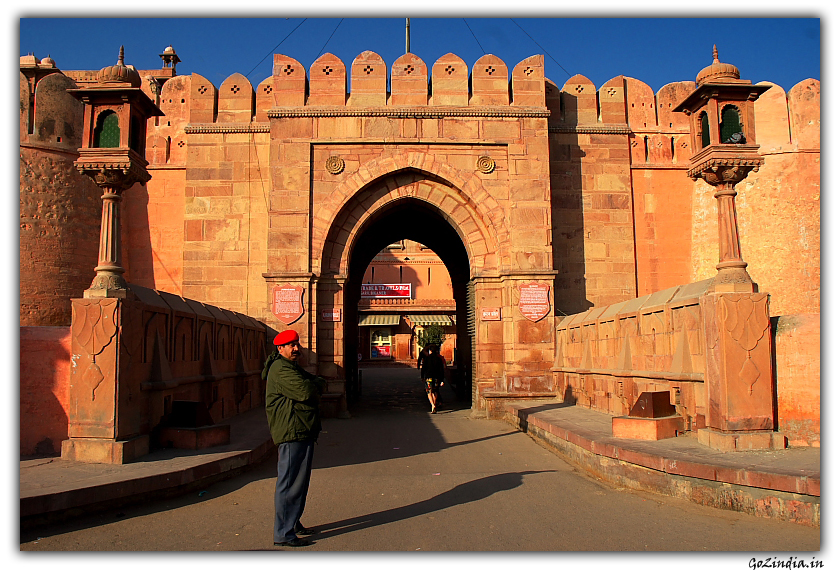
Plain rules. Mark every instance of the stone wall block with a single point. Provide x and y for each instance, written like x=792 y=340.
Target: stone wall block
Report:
x=25 y=108
x=579 y=103
x=804 y=102
x=641 y=104
x=58 y=115
x=288 y=81
x=528 y=82
x=236 y=100
x=772 y=124
x=612 y=100
x=368 y=80
x=203 y=100
x=409 y=81
x=450 y=81
x=489 y=82
x=667 y=98
x=264 y=100
x=327 y=82
x=175 y=102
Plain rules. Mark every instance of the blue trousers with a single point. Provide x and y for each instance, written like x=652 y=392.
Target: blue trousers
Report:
x=294 y=466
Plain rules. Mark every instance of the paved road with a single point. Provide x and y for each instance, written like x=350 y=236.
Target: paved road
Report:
x=396 y=478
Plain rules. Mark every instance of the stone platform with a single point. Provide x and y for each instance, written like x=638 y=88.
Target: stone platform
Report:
x=780 y=484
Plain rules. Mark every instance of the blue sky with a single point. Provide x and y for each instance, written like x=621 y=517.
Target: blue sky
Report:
x=784 y=50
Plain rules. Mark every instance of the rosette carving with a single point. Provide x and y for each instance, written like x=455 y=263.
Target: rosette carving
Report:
x=334 y=165
x=485 y=164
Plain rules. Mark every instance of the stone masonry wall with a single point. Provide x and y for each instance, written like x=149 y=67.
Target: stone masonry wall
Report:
x=59 y=208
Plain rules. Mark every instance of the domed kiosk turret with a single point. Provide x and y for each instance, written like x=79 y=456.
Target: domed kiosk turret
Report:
x=112 y=154
x=723 y=140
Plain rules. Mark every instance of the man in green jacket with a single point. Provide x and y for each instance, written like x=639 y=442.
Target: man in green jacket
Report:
x=291 y=403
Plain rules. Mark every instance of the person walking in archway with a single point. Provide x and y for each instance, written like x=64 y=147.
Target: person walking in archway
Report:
x=432 y=367
x=291 y=404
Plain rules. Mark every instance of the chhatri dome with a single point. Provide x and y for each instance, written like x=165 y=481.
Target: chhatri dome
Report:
x=718 y=72
x=119 y=73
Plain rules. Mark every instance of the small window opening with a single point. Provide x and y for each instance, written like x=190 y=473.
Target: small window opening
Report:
x=107 y=131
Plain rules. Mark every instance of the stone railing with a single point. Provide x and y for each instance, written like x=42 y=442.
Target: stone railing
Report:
x=609 y=355
x=710 y=352
x=134 y=360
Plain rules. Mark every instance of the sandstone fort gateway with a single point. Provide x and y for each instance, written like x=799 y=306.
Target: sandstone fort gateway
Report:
x=652 y=256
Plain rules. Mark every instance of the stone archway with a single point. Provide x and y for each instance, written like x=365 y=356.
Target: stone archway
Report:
x=408 y=204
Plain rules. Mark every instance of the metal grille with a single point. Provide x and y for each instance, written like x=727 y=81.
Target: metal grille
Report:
x=108 y=133
x=730 y=123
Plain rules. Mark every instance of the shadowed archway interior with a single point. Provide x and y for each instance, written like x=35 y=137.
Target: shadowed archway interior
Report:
x=409 y=218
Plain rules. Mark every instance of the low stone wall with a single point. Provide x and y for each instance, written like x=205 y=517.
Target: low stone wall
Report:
x=607 y=356
x=44 y=379
x=132 y=358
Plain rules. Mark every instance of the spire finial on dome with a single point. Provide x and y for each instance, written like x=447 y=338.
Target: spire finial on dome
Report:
x=715 y=54
x=121 y=61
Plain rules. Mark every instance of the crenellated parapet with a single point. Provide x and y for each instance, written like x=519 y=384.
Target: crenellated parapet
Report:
x=330 y=83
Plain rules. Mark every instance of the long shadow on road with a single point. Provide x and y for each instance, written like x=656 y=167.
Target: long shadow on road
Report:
x=468 y=492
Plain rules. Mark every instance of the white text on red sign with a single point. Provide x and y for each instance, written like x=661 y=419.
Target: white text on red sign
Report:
x=386 y=290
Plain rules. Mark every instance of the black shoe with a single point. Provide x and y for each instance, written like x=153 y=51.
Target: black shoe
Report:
x=295 y=542
x=303 y=531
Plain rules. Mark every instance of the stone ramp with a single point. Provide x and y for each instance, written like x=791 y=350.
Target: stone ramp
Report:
x=779 y=484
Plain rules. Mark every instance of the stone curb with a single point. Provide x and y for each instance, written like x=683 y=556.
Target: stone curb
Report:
x=760 y=492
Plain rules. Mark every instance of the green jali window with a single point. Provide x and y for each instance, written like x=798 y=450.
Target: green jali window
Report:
x=730 y=123
x=107 y=133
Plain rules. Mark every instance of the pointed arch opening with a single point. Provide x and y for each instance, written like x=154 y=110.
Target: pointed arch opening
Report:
x=413 y=219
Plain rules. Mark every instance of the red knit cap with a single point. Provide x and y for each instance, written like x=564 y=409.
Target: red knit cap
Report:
x=286 y=337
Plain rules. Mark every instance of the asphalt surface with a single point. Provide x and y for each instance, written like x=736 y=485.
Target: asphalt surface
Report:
x=395 y=478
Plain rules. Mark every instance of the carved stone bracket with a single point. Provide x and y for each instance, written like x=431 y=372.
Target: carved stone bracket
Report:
x=721 y=172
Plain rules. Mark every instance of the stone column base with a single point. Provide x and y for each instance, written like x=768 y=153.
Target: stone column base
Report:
x=94 y=450
x=649 y=429
x=741 y=441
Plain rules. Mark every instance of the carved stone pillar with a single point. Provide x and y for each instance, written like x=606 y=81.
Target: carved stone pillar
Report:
x=739 y=374
x=732 y=273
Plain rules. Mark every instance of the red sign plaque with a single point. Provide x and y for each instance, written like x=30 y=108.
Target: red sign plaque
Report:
x=533 y=300
x=331 y=315
x=287 y=303
x=386 y=290
x=491 y=314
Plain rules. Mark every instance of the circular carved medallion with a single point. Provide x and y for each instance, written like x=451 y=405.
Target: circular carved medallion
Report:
x=335 y=165
x=485 y=164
